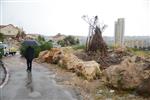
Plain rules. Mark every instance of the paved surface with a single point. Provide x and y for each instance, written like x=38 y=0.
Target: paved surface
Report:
x=38 y=85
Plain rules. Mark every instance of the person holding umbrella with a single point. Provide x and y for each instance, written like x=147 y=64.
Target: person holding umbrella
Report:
x=29 y=52
x=29 y=55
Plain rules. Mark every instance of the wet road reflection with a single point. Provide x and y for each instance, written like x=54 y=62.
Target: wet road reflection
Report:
x=29 y=82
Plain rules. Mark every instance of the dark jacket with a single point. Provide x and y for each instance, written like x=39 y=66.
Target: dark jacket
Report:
x=29 y=54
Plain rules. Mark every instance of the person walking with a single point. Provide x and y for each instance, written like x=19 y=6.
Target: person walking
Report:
x=29 y=55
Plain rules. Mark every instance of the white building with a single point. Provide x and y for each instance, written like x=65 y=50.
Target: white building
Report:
x=119 y=32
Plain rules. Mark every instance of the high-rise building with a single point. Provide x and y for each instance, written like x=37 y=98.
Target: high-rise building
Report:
x=119 y=32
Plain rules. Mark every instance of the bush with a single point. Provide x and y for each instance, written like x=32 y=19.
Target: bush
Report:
x=68 y=41
x=61 y=42
x=23 y=49
x=40 y=39
x=46 y=46
x=38 y=49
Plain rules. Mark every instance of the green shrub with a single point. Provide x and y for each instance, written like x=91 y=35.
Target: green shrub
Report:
x=46 y=46
x=68 y=41
x=40 y=39
x=23 y=49
x=61 y=42
x=37 y=49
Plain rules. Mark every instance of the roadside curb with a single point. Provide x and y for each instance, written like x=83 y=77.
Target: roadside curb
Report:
x=6 y=71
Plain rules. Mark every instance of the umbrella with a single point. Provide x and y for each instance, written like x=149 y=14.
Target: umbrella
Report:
x=30 y=43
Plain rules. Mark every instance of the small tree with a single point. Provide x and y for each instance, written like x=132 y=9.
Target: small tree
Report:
x=23 y=34
x=68 y=41
x=46 y=46
x=61 y=42
x=40 y=39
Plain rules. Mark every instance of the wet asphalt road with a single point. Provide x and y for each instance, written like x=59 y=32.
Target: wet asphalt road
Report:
x=38 y=85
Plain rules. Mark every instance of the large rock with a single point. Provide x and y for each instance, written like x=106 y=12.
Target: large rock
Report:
x=128 y=75
x=49 y=56
x=144 y=88
x=57 y=56
x=89 y=69
x=41 y=56
x=69 y=61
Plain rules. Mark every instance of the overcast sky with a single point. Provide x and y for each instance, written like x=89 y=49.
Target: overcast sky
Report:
x=50 y=17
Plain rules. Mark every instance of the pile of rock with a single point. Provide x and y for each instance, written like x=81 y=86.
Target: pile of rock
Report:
x=130 y=74
x=49 y=55
x=89 y=69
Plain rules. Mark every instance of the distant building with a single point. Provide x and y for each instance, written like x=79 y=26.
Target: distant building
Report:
x=11 y=34
x=119 y=32
x=32 y=36
x=137 y=43
x=58 y=37
x=9 y=31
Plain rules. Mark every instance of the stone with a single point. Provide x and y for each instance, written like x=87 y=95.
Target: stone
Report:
x=50 y=56
x=112 y=91
x=127 y=75
x=144 y=88
x=41 y=55
x=57 y=56
x=89 y=69
x=131 y=96
x=100 y=91
x=69 y=61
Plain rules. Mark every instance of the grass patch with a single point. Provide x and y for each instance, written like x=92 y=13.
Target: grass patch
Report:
x=139 y=52
x=76 y=47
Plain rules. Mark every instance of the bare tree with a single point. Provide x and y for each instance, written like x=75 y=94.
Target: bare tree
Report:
x=95 y=40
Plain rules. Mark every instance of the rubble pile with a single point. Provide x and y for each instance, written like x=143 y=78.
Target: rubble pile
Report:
x=49 y=56
x=129 y=74
x=113 y=58
x=42 y=57
x=69 y=61
x=89 y=69
x=125 y=71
